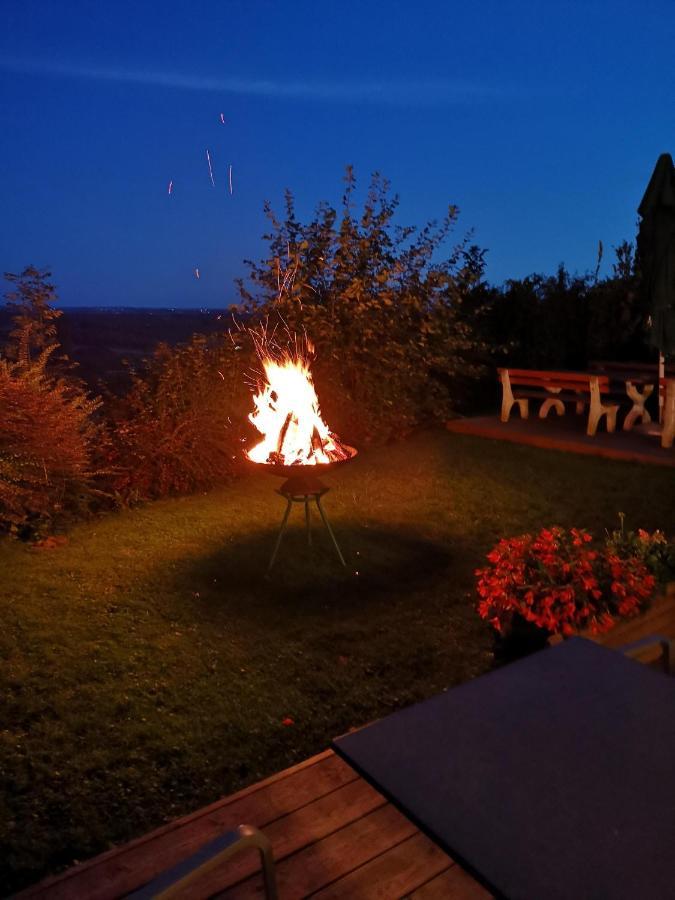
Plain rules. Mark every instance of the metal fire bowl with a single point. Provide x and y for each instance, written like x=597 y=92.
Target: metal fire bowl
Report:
x=301 y=479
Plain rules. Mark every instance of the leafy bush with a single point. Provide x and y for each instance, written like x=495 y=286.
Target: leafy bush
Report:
x=47 y=437
x=33 y=316
x=180 y=428
x=654 y=550
x=387 y=317
x=48 y=434
x=564 y=320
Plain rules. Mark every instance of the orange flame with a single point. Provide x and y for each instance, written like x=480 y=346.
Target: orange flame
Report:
x=288 y=417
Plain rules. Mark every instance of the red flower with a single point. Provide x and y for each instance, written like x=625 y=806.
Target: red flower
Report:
x=557 y=581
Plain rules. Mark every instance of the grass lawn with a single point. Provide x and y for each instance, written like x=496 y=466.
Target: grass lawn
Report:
x=148 y=664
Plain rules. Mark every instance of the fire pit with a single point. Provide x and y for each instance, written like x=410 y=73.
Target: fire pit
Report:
x=296 y=443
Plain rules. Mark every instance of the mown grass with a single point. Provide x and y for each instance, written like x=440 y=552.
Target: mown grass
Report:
x=148 y=664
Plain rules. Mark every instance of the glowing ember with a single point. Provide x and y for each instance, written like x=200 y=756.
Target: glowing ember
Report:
x=208 y=159
x=287 y=415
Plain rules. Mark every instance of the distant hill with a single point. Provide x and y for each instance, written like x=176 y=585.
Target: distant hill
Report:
x=99 y=339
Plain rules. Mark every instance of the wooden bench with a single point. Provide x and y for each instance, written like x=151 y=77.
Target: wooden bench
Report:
x=554 y=389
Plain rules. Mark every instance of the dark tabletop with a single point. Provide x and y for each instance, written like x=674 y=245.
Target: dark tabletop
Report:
x=552 y=777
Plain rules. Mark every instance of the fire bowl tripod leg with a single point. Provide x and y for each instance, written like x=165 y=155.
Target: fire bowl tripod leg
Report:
x=277 y=543
x=308 y=523
x=330 y=531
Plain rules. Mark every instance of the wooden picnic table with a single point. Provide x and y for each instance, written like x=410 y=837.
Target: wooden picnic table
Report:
x=551 y=777
x=554 y=388
x=580 y=388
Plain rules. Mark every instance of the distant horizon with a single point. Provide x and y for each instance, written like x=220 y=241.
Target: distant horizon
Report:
x=608 y=256
x=126 y=308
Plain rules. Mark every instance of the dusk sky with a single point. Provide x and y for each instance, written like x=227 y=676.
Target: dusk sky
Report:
x=541 y=120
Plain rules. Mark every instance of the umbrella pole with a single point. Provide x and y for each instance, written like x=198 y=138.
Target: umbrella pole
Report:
x=662 y=374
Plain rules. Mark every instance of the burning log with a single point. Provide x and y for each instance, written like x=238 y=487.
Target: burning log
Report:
x=317 y=441
x=282 y=435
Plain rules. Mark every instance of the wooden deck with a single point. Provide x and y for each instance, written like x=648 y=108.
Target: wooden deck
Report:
x=333 y=836
x=568 y=434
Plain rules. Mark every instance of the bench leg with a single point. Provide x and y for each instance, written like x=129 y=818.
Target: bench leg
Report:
x=597 y=410
x=508 y=403
x=550 y=404
x=633 y=416
x=508 y=399
x=667 y=437
x=595 y=415
x=638 y=410
x=668 y=429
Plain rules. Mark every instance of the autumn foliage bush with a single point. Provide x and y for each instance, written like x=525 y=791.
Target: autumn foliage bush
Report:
x=47 y=436
x=180 y=427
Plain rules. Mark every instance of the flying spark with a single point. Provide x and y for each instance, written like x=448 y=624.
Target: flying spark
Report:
x=230 y=176
x=208 y=159
x=170 y=187
x=197 y=273
x=222 y=118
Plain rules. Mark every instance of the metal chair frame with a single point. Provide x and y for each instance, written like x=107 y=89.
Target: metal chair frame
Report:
x=171 y=884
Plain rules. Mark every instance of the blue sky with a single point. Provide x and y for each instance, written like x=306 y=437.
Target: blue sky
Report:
x=541 y=120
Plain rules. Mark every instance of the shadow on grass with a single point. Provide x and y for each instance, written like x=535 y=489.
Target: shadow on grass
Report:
x=381 y=562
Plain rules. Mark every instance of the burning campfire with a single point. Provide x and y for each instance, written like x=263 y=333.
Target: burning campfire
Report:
x=296 y=442
x=288 y=416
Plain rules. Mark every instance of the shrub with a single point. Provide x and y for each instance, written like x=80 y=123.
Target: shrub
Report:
x=565 y=320
x=180 y=428
x=654 y=550
x=385 y=313
x=33 y=316
x=47 y=437
x=47 y=432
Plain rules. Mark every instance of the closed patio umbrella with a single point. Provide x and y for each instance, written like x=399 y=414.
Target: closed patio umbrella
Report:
x=656 y=257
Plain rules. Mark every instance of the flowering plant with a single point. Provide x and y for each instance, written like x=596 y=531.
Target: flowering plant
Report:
x=655 y=550
x=559 y=582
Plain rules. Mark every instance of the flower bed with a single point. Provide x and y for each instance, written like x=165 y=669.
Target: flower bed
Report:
x=562 y=582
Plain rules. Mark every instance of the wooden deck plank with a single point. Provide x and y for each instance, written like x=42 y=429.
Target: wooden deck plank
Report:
x=319 y=864
x=291 y=833
x=393 y=874
x=124 y=868
x=453 y=884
